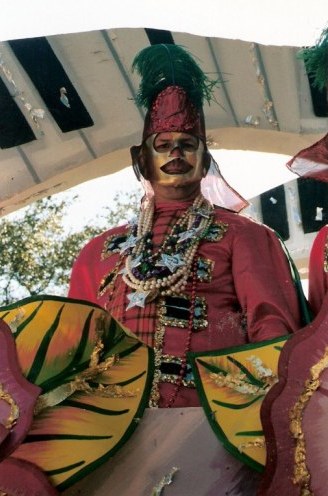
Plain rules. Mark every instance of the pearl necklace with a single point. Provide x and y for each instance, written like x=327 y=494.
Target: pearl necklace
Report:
x=167 y=270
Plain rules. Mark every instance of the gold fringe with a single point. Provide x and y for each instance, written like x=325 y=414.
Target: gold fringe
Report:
x=301 y=473
x=325 y=259
x=14 y=409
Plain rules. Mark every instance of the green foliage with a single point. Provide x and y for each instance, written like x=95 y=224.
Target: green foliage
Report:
x=125 y=207
x=164 y=65
x=37 y=251
x=316 y=60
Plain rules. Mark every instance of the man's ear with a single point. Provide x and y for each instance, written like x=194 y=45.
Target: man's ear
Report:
x=138 y=161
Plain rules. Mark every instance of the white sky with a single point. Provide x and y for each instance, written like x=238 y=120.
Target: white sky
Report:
x=280 y=22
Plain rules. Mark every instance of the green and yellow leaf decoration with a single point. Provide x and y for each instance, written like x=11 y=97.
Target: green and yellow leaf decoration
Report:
x=95 y=378
x=232 y=384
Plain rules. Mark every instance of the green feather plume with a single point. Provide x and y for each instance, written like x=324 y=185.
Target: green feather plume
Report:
x=165 y=65
x=316 y=61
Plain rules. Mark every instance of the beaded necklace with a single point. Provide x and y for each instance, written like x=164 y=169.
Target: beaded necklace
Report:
x=162 y=272
x=165 y=271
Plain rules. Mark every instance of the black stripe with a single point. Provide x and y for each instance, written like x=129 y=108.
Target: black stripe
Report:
x=93 y=408
x=42 y=350
x=48 y=76
x=74 y=364
x=62 y=470
x=14 y=129
x=156 y=36
x=29 y=319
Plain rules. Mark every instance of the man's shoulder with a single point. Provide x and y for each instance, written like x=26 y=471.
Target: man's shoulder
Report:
x=236 y=219
x=324 y=230
x=321 y=237
x=97 y=243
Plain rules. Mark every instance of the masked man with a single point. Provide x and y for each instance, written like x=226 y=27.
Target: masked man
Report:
x=191 y=274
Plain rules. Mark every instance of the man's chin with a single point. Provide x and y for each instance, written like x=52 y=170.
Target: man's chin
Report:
x=179 y=182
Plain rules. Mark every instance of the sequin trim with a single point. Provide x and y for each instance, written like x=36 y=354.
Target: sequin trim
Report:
x=216 y=231
x=158 y=346
x=174 y=379
x=204 y=269
x=112 y=245
x=174 y=311
x=105 y=282
x=171 y=361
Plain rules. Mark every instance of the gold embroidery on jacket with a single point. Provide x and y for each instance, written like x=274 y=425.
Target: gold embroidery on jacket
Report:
x=216 y=231
x=301 y=472
x=113 y=244
x=325 y=259
x=175 y=312
x=204 y=269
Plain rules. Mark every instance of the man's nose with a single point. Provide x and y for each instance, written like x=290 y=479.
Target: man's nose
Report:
x=177 y=151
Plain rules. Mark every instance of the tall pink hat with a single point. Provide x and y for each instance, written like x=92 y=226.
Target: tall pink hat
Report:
x=172 y=110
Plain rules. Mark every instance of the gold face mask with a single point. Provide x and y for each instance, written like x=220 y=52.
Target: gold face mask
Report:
x=174 y=159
